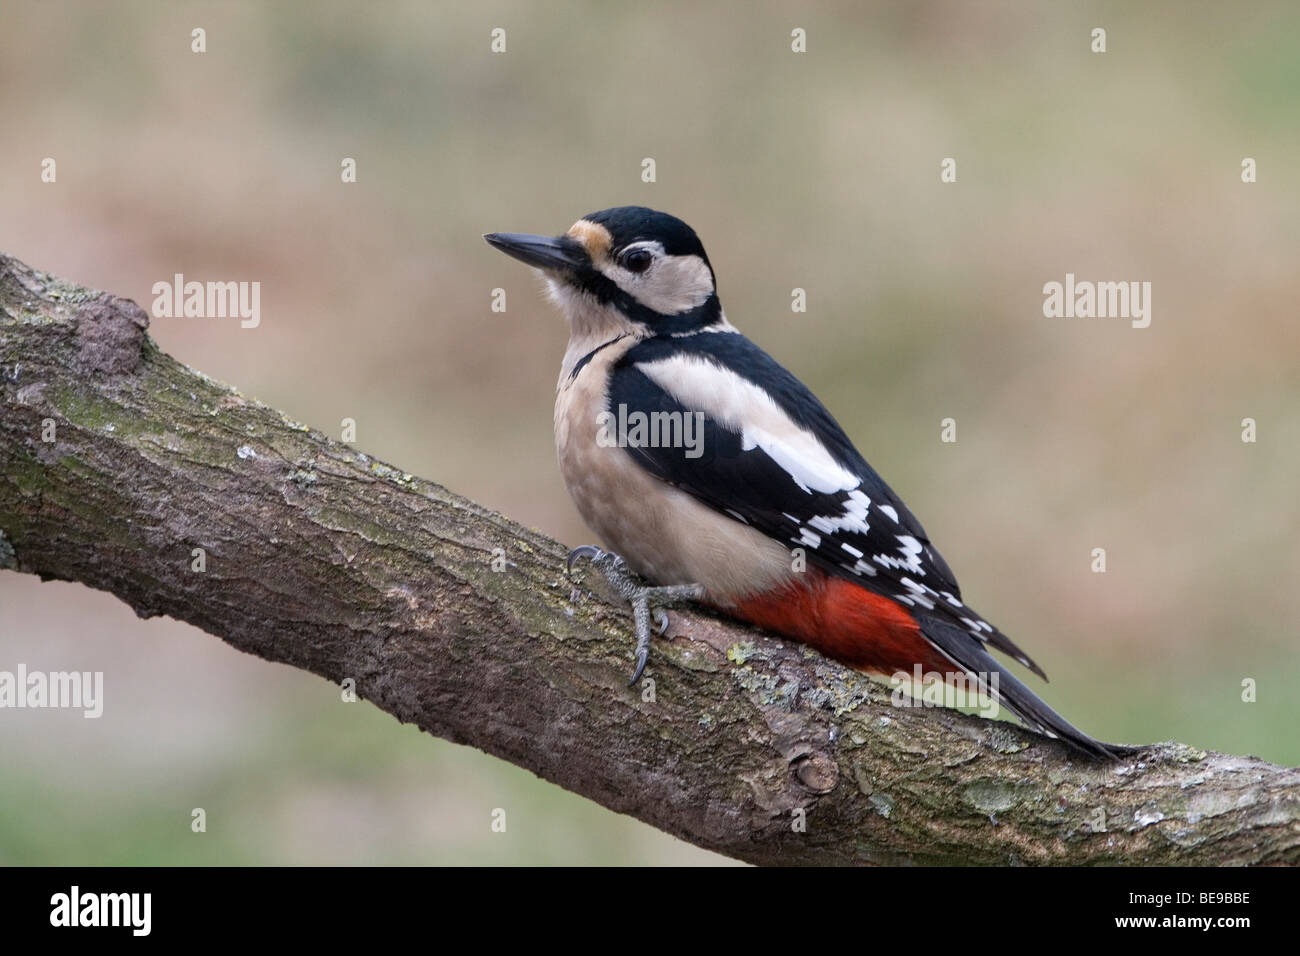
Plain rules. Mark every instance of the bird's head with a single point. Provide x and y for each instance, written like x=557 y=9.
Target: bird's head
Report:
x=624 y=266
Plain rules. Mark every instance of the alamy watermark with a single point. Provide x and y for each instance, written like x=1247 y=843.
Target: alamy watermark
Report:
x=76 y=908
x=208 y=300
x=637 y=429
x=946 y=689
x=1102 y=300
x=72 y=690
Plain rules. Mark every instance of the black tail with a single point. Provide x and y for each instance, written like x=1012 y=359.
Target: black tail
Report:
x=967 y=653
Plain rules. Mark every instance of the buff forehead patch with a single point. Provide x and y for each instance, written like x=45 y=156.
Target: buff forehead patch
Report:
x=595 y=238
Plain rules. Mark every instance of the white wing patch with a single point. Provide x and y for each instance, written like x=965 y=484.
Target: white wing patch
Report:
x=809 y=538
x=744 y=407
x=909 y=559
x=853 y=519
x=916 y=594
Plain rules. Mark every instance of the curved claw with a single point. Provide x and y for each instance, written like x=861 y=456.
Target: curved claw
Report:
x=642 y=655
x=661 y=620
x=585 y=551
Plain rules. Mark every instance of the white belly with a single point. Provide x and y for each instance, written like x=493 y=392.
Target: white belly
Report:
x=664 y=534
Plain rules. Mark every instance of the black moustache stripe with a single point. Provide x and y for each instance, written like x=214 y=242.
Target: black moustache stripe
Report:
x=608 y=292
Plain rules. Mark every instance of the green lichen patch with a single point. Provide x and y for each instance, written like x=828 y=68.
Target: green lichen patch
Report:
x=84 y=408
x=64 y=291
x=27 y=475
x=741 y=651
x=768 y=688
x=882 y=803
x=751 y=680
x=988 y=795
x=1182 y=753
x=1005 y=740
x=692 y=658
x=400 y=478
x=840 y=690
x=304 y=478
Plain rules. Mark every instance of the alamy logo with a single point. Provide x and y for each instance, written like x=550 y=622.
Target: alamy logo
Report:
x=208 y=300
x=1102 y=300
x=639 y=429
x=75 y=690
x=75 y=908
x=954 y=689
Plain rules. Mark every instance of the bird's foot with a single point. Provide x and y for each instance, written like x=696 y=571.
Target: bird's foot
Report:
x=646 y=601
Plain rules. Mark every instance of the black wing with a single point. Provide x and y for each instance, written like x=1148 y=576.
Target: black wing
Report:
x=831 y=502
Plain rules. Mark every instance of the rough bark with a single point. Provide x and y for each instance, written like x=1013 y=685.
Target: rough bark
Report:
x=460 y=621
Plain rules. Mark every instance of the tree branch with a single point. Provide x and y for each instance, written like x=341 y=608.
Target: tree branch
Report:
x=118 y=461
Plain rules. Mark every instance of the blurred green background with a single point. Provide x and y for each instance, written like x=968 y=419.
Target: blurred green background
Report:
x=816 y=170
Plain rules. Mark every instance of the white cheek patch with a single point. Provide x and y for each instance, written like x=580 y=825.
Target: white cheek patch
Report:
x=672 y=284
x=744 y=407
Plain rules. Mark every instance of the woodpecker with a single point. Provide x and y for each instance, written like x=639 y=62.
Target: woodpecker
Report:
x=753 y=467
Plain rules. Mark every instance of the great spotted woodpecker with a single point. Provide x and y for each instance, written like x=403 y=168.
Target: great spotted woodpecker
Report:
x=753 y=468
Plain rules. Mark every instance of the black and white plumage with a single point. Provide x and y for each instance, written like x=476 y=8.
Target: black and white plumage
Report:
x=769 y=470
x=799 y=481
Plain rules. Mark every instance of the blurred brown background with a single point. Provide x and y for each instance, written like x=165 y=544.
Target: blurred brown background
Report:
x=817 y=170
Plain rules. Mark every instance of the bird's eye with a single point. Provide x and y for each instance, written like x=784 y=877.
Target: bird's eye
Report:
x=638 y=260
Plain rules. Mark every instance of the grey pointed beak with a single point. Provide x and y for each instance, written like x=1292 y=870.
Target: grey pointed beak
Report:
x=555 y=253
